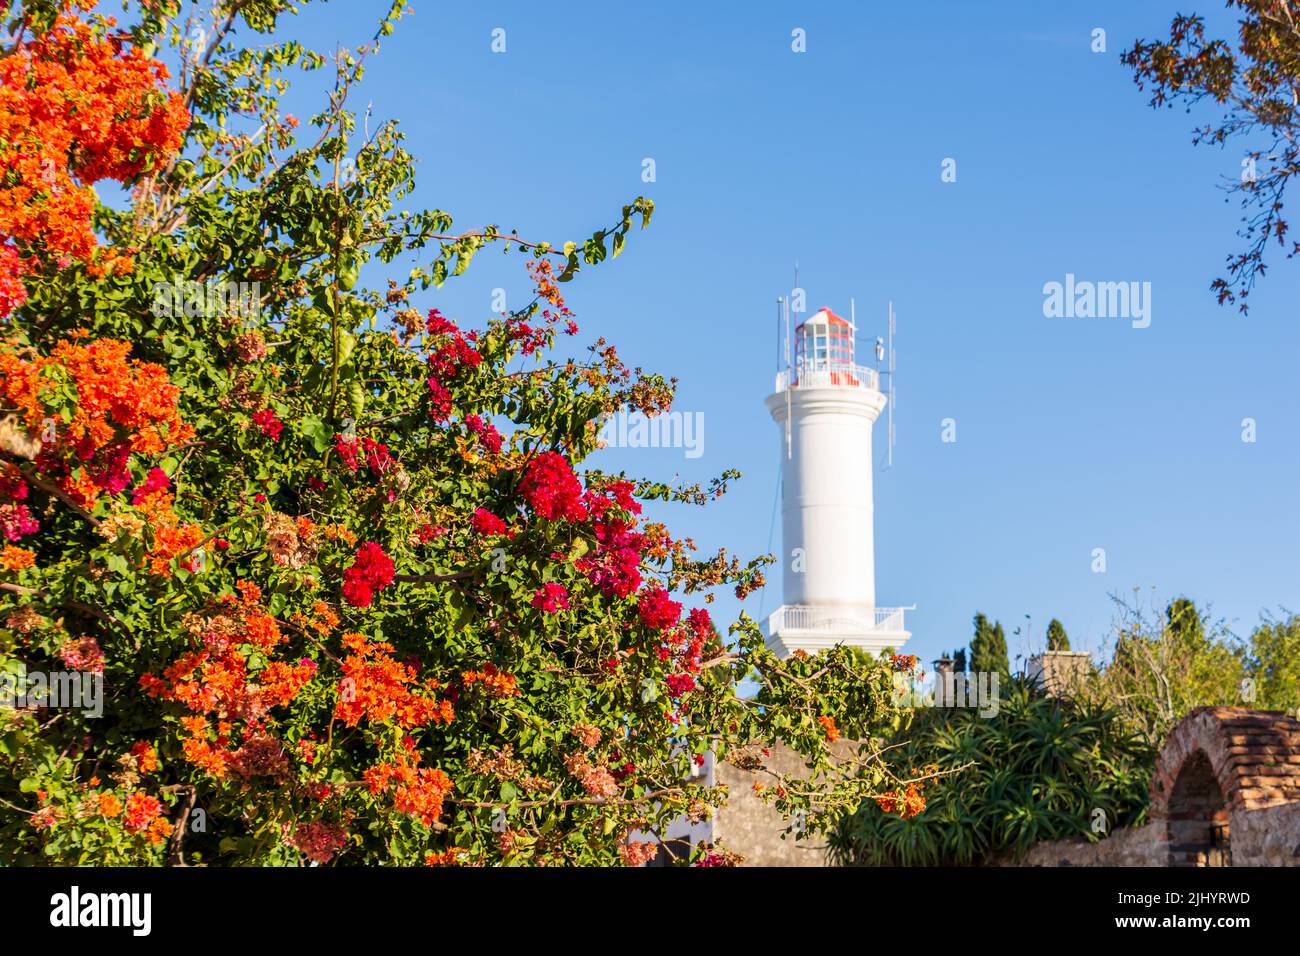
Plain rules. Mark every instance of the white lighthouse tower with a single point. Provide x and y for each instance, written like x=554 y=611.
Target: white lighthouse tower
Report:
x=825 y=405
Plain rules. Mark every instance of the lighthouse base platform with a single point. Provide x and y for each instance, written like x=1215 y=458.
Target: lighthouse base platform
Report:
x=809 y=628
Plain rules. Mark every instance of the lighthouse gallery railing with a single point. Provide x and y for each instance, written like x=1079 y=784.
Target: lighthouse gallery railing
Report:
x=829 y=375
x=798 y=617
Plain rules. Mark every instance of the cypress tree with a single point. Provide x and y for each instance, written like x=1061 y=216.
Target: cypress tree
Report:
x=988 y=648
x=1057 y=639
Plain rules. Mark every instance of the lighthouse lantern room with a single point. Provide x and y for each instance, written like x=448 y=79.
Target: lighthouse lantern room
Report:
x=825 y=405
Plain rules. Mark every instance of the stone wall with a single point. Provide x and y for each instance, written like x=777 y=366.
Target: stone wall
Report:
x=749 y=826
x=1268 y=837
x=1140 y=846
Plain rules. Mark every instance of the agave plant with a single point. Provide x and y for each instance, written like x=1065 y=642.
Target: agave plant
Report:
x=1038 y=770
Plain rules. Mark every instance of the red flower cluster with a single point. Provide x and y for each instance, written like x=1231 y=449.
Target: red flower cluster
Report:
x=615 y=566
x=352 y=451
x=485 y=522
x=551 y=598
x=448 y=361
x=552 y=489
x=12 y=485
x=679 y=684
x=683 y=644
x=658 y=611
x=371 y=571
x=270 y=425
x=12 y=292
x=429 y=532
x=439 y=400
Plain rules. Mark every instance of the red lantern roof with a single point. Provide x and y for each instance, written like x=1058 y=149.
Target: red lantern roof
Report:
x=824 y=315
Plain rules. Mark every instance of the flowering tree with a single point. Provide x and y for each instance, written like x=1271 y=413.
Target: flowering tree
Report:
x=349 y=596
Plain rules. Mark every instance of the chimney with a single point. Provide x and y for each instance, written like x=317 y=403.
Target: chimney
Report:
x=944 y=682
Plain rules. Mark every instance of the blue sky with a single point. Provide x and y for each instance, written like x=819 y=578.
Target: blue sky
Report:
x=1072 y=433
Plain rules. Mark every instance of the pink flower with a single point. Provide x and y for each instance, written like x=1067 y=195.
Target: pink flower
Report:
x=638 y=853
x=551 y=598
x=16 y=521
x=318 y=840
x=154 y=482
x=487 y=434
x=82 y=654
x=110 y=472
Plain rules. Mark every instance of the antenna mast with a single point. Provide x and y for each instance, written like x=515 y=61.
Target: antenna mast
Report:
x=785 y=312
x=893 y=397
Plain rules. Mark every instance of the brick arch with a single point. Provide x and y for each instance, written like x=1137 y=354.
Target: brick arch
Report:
x=1254 y=756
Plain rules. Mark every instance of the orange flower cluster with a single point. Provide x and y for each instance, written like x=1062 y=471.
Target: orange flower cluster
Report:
x=216 y=681
x=144 y=815
x=417 y=791
x=109 y=805
x=146 y=757
x=14 y=558
x=906 y=803
x=381 y=689
x=76 y=107
x=116 y=396
x=171 y=536
x=829 y=729
x=495 y=682
x=321 y=619
x=449 y=857
x=544 y=283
